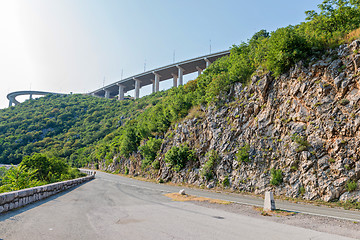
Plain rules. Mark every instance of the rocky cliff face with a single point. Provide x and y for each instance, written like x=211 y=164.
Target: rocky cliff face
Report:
x=304 y=123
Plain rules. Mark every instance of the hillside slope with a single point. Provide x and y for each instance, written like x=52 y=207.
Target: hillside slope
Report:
x=297 y=135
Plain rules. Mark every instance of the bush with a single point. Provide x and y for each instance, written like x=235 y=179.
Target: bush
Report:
x=285 y=47
x=17 y=178
x=126 y=170
x=276 y=177
x=47 y=169
x=177 y=157
x=243 y=154
x=149 y=151
x=302 y=141
x=226 y=182
x=156 y=164
x=351 y=186
x=208 y=168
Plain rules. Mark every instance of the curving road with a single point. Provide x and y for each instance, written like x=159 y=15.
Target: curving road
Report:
x=114 y=207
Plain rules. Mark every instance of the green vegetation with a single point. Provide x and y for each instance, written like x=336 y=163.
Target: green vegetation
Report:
x=17 y=178
x=208 y=169
x=276 y=177
x=243 y=154
x=177 y=157
x=149 y=151
x=302 y=141
x=344 y=102
x=226 y=182
x=302 y=190
x=351 y=186
x=35 y=171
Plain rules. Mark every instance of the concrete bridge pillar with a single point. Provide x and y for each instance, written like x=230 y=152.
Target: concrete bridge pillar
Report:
x=153 y=85
x=121 y=91
x=10 y=103
x=107 y=93
x=157 y=81
x=31 y=97
x=180 y=75
x=137 y=88
x=175 y=79
x=199 y=70
x=207 y=62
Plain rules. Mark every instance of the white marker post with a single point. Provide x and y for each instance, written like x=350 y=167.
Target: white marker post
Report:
x=269 y=203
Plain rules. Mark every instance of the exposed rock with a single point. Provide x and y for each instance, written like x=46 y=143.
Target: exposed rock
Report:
x=295 y=123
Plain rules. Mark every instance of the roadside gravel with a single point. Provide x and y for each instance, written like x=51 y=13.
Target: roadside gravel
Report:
x=317 y=223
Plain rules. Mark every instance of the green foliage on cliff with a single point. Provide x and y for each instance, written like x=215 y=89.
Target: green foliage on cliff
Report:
x=208 y=169
x=177 y=157
x=276 y=177
x=149 y=151
x=243 y=154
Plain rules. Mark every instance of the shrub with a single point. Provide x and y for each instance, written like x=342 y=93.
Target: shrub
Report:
x=226 y=182
x=243 y=154
x=302 y=141
x=17 y=178
x=208 y=168
x=276 y=177
x=126 y=170
x=177 y=157
x=47 y=169
x=351 y=186
x=344 y=102
x=149 y=151
x=302 y=190
x=156 y=164
x=285 y=47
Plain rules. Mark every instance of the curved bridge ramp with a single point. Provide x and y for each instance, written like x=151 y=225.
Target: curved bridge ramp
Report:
x=12 y=96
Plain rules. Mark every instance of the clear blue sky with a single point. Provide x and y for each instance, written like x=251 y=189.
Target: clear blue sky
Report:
x=71 y=45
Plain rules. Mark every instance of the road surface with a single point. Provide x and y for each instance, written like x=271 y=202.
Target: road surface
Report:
x=114 y=207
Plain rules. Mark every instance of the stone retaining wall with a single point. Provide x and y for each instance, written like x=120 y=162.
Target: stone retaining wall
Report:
x=16 y=199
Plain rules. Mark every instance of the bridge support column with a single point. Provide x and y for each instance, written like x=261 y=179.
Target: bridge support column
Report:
x=199 y=70
x=137 y=88
x=207 y=62
x=121 y=91
x=180 y=75
x=153 y=85
x=10 y=103
x=175 y=80
x=30 y=96
x=157 y=81
x=107 y=93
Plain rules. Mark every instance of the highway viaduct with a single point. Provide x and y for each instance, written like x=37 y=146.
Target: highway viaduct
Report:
x=175 y=71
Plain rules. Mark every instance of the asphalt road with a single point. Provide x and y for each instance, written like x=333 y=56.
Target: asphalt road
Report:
x=113 y=207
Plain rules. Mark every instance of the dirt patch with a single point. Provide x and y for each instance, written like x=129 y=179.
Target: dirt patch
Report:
x=184 y=198
x=276 y=213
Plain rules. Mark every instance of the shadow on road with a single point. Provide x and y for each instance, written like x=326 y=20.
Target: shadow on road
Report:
x=12 y=213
